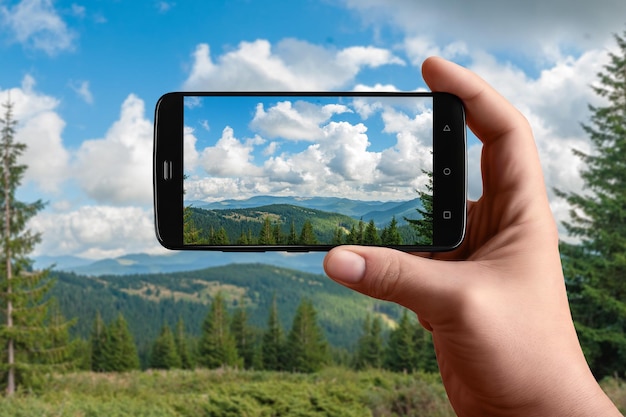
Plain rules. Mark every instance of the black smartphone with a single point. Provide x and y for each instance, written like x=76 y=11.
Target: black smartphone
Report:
x=307 y=171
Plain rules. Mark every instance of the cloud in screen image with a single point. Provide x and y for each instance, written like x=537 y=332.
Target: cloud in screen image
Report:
x=366 y=159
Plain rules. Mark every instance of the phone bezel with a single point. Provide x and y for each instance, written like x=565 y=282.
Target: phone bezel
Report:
x=449 y=151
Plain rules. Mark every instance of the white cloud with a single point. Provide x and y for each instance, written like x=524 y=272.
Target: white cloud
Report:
x=117 y=168
x=164 y=6
x=531 y=27
x=413 y=147
x=298 y=121
x=290 y=65
x=82 y=89
x=40 y=128
x=96 y=232
x=191 y=155
x=420 y=47
x=230 y=157
x=36 y=24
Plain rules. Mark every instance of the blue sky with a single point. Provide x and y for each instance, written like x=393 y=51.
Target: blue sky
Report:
x=363 y=148
x=85 y=76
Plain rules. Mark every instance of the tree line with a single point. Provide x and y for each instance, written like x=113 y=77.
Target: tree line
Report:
x=227 y=340
x=272 y=232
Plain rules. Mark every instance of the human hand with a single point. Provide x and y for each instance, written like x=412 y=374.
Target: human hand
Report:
x=496 y=306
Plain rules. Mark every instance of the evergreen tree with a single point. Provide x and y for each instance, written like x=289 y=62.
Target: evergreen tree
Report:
x=424 y=225
x=27 y=331
x=292 y=239
x=273 y=342
x=425 y=358
x=338 y=236
x=595 y=268
x=391 y=234
x=307 y=348
x=370 y=345
x=243 y=239
x=371 y=236
x=359 y=235
x=352 y=238
x=164 y=354
x=266 y=237
x=278 y=234
x=400 y=355
x=99 y=345
x=217 y=344
x=121 y=349
x=182 y=348
x=191 y=235
x=307 y=236
x=243 y=335
x=219 y=238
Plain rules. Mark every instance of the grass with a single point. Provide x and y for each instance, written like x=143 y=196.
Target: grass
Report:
x=225 y=393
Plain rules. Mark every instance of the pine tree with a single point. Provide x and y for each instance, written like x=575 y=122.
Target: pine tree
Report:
x=277 y=234
x=164 y=354
x=121 y=350
x=292 y=238
x=595 y=268
x=99 y=342
x=370 y=345
x=243 y=335
x=27 y=331
x=217 y=344
x=266 y=237
x=400 y=355
x=307 y=236
x=371 y=236
x=273 y=344
x=219 y=238
x=243 y=239
x=182 y=348
x=307 y=348
x=357 y=235
x=391 y=234
x=352 y=238
x=425 y=358
x=338 y=236
x=191 y=235
x=424 y=225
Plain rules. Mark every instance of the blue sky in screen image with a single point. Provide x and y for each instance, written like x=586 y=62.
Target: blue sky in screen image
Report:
x=362 y=148
x=85 y=75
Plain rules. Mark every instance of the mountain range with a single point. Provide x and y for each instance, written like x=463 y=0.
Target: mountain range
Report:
x=175 y=261
x=379 y=211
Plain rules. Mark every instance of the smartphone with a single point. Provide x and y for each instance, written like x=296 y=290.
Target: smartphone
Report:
x=307 y=171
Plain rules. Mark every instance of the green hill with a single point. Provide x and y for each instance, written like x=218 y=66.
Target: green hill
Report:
x=249 y=222
x=150 y=300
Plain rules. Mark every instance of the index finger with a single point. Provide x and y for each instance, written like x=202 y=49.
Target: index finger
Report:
x=510 y=161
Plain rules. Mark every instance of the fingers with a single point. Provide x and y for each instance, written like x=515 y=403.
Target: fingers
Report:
x=510 y=161
x=414 y=282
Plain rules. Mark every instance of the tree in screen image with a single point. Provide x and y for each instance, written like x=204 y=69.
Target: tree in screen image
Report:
x=424 y=225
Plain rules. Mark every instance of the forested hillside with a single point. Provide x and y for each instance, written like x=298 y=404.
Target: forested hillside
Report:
x=290 y=224
x=152 y=300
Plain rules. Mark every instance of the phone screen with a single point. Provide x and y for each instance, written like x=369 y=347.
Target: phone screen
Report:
x=299 y=171
x=307 y=170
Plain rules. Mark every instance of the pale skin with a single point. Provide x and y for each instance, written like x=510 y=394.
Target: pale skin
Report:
x=496 y=306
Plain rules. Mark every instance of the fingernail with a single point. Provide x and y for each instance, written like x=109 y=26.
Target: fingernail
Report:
x=346 y=267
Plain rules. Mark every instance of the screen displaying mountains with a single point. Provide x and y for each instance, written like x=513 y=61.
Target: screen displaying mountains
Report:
x=267 y=220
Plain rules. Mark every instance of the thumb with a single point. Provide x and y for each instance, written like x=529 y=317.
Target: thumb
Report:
x=417 y=283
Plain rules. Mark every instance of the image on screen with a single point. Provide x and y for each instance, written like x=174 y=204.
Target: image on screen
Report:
x=307 y=170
